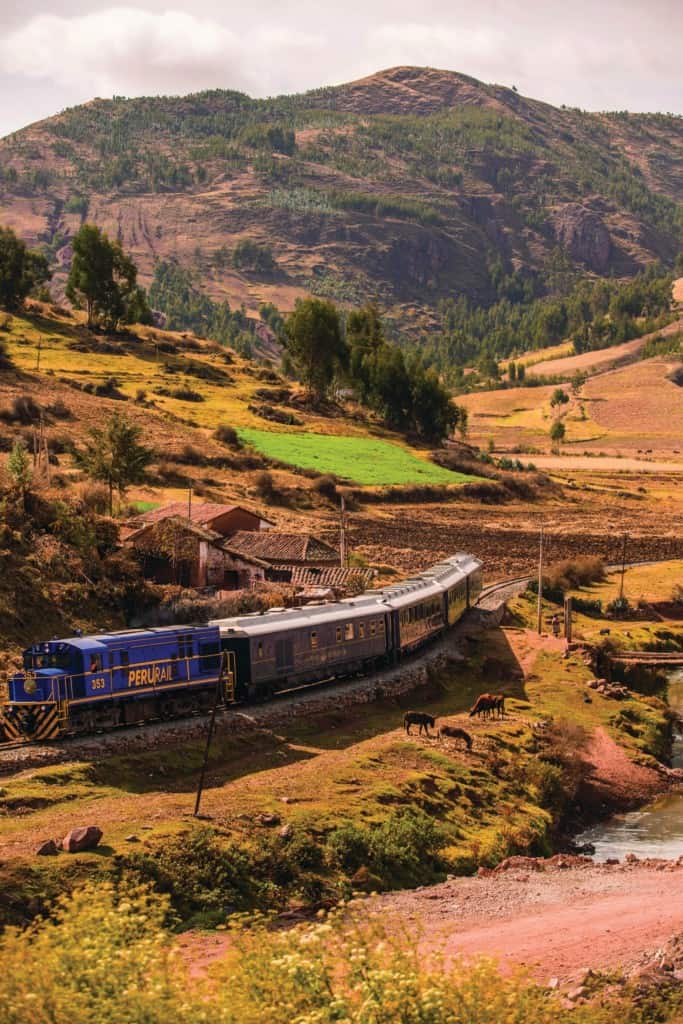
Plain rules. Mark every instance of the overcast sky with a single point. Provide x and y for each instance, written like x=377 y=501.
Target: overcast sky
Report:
x=596 y=54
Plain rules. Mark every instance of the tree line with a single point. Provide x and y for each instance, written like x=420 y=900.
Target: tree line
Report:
x=326 y=351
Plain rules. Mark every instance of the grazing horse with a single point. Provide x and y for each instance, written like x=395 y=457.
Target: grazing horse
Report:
x=488 y=704
x=455 y=733
x=420 y=718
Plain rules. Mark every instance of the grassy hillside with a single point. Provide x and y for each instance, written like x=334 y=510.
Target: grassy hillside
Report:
x=409 y=185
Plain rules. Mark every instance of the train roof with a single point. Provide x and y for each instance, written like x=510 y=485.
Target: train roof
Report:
x=409 y=592
x=306 y=617
x=95 y=641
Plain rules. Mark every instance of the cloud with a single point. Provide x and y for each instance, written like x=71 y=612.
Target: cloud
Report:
x=127 y=50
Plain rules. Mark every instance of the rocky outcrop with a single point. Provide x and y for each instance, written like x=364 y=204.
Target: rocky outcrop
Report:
x=584 y=235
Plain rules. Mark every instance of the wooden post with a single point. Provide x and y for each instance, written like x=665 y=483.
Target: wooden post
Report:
x=189 y=504
x=568 y=619
x=623 y=567
x=40 y=345
x=342 y=533
x=539 y=604
x=209 y=736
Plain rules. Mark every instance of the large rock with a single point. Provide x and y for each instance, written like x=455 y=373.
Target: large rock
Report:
x=584 y=235
x=79 y=839
x=47 y=849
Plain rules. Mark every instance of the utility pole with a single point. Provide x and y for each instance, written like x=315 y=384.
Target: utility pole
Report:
x=40 y=345
x=539 y=605
x=209 y=736
x=623 y=567
x=189 y=504
x=342 y=533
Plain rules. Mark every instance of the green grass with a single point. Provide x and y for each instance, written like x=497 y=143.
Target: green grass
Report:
x=145 y=506
x=362 y=460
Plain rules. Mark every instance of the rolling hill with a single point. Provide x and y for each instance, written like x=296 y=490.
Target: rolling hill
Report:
x=408 y=185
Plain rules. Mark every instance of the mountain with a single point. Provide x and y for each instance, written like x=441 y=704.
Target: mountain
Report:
x=411 y=185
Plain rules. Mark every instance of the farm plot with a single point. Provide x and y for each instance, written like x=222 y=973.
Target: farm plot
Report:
x=364 y=461
x=639 y=406
x=601 y=359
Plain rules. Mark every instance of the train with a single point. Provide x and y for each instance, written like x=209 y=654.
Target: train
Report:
x=88 y=684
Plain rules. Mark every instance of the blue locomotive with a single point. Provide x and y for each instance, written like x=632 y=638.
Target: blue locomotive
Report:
x=86 y=684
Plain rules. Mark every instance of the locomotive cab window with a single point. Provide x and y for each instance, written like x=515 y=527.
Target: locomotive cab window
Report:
x=95 y=663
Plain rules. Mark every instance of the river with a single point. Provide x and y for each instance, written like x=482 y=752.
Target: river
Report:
x=655 y=831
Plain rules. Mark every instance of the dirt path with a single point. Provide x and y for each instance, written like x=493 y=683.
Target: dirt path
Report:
x=553 y=922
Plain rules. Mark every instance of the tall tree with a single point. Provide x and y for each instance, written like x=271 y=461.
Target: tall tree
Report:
x=21 y=270
x=315 y=343
x=103 y=280
x=114 y=455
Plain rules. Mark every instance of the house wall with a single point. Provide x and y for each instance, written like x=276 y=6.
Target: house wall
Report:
x=236 y=519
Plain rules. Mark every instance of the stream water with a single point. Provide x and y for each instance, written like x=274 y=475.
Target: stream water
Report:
x=655 y=831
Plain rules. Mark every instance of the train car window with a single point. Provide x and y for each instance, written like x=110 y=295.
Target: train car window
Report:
x=373 y=627
x=209 y=657
x=339 y=634
x=259 y=650
x=314 y=638
x=348 y=631
x=381 y=625
x=361 y=630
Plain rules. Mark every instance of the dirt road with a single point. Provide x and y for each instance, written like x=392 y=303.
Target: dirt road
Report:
x=553 y=922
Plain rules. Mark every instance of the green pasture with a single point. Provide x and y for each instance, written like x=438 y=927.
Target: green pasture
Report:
x=364 y=461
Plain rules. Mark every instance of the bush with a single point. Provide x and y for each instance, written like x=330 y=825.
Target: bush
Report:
x=265 y=486
x=94 y=497
x=396 y=852
x=24 y=409
x=60 y=410
x=326 y=487
x=227 y=435
x=620 y=608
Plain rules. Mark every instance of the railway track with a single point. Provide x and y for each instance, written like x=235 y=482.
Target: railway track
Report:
x=500 y=589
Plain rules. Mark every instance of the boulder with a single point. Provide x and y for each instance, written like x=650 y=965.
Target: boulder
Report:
x=269 y=820
x=79 y=839
x=47 y=849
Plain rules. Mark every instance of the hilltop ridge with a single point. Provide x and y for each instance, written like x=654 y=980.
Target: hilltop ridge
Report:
x=409 y=185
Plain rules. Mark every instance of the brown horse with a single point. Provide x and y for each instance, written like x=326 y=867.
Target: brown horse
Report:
x=419 y=718
x=488 y=704
x=455 y=733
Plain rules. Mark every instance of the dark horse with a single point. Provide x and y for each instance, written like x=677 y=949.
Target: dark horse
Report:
x=420 y=718
x=455 y=733
x=488 y=704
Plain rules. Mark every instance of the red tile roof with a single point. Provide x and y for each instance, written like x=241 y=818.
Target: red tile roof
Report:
x=328 y=575
x=202 y=513
x=283 y=547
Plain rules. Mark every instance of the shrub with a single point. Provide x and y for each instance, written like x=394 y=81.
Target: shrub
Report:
x=184 y=394
x=227 y=435
x=24 y=409
x=60 y=410
x=620 y=608
x=326 y=487
x=94 y=497
x=397 y=851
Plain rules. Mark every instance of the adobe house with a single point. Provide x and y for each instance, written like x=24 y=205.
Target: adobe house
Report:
x=224 y=520
x=176 y=551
